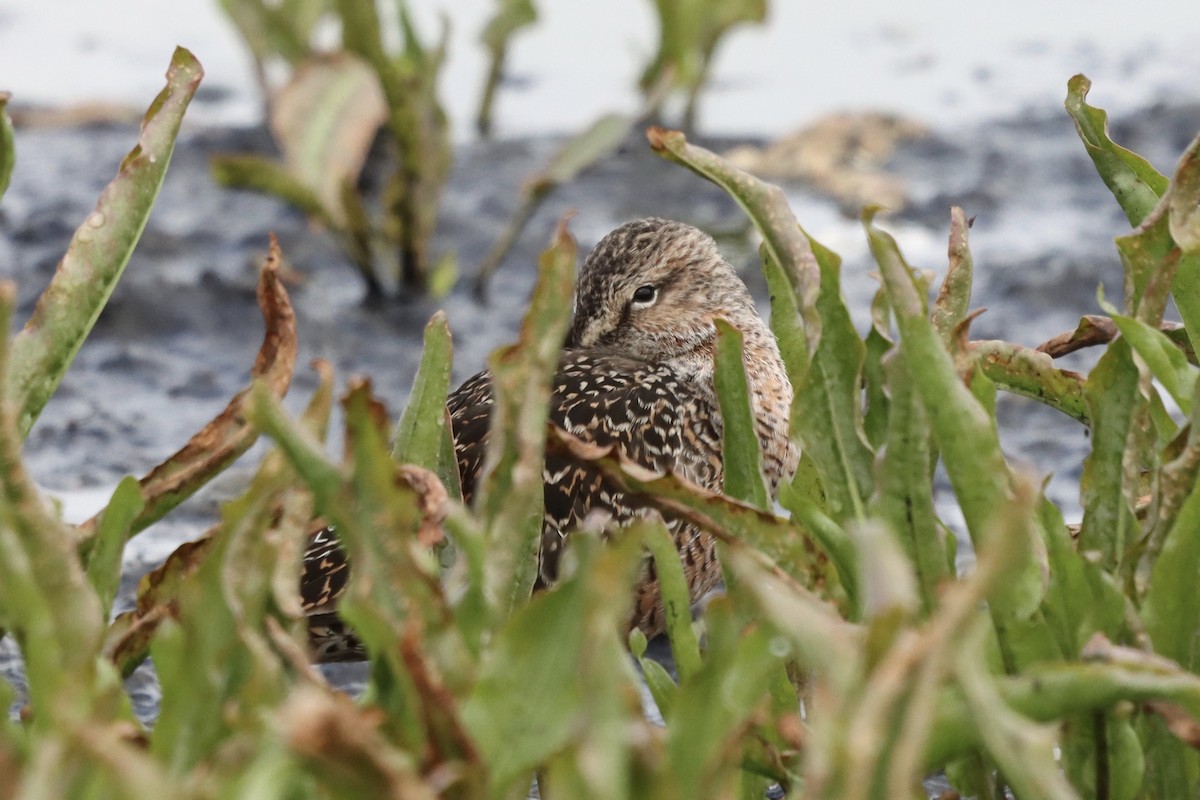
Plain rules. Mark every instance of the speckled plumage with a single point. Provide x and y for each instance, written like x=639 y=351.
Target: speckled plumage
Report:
x=636 y=373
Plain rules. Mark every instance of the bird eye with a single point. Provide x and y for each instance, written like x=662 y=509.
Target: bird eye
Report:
x=645 y=296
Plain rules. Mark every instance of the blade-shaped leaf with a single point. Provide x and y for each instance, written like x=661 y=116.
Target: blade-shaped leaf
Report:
x=529 y=702
x=423 y=435
x=741 y=452
x=904 y=492
x=510 y=496
x=1133 y=181
x=98 y=252
x=954 y=296
x=261 y=174
x=1106 y=491
x=768 y=209
x=965 y=433
x=1166 y=362
x=116 y=522
x=8 y=153
x=828 y=404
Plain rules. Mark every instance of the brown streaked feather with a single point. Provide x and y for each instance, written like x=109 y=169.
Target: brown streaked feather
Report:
x=636 y=379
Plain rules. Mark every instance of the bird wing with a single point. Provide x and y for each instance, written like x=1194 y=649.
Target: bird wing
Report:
x=647 y=412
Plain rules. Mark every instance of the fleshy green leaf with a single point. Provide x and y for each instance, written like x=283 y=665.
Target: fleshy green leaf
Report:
x=954 y=297
x=741 y=451
x=1166 y=362
x=904 y=492
x=963 y=430
x=424 y=427
x=510 y=495
x=98 y=252
x=116 y=522
x=828 y=405
x=1111 y=392
x=8 y=152
x=1133 y=181
x=685 y=647
x=530 y=701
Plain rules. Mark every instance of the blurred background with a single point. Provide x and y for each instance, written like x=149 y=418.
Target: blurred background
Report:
x=944 y=63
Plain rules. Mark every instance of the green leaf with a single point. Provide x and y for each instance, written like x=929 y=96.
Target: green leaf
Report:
x=213 y=661
x=1107 y=675
x=1103 y=744
x=828 y=404
x=877 y=345
x=1031 y=373
x=963 y=430
x=116 y=522
x=677 y=607
x=662 y=688
x=1151 y=261
x=1111 y=392
x=1135 y=183
x=8 y=152
x=531 y=699
x=783 y=239
x=1184 y=197
x=45 y=599
x=416 y=122
x=277 y=29
x=1171 y=609
x=1023 y=751
x=820 y=639
x=740 y=448
x=954 y=297
x=510 y=16
x=705 y=736
x=98 y=252
x=1166 y=362
x=423 y=430
x=1080 y=598
x=593 y=143
x=904 y=491
x=831 y=538
x=510 y=494
x=1184 y=227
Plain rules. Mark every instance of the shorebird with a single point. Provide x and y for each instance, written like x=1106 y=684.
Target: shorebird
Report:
x=636 y=373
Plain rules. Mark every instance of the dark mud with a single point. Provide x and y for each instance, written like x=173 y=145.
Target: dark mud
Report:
x=182 y=328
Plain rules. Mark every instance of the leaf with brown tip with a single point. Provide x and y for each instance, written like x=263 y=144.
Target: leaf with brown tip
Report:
x=228 y=435
x=98 y=253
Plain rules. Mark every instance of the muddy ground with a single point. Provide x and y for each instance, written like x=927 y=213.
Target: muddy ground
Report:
x=182 y=328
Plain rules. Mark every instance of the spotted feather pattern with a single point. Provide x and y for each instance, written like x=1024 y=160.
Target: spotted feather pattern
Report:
x=638 y=378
